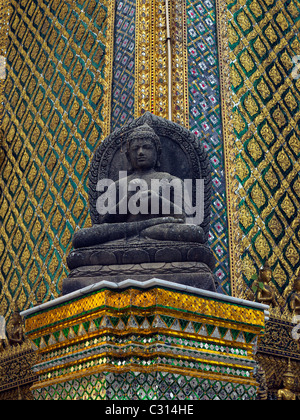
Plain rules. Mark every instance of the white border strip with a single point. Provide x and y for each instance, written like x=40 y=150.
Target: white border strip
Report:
x=144 y=285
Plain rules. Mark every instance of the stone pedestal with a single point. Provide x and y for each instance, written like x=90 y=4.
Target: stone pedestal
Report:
x=185 y=263
x=150 y=340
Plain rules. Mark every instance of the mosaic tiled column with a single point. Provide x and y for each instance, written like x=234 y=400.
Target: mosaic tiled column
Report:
x=158 y=340
x=258 y=43
x=206 y=123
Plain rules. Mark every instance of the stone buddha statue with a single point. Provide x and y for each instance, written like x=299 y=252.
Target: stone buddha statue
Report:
x=150 y=217
x=157 y=215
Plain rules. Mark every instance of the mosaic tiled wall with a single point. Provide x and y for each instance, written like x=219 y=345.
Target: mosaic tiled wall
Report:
x=58 y=64
x=263 y=38
x=122 y=110
x=4 y=19
x=205 y=120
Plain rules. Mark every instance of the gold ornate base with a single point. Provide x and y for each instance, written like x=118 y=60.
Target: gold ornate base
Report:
x=154 y=333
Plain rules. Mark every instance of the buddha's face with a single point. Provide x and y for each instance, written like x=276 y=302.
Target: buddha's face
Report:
x=142 y=154
x=288 y=382
x=266 y=275
x=16 y=319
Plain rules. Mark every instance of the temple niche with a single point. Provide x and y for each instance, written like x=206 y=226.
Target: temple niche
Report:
x=166 y=170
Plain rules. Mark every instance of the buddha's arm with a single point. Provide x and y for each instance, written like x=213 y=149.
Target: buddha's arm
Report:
x=264 y=295
x=162 y=206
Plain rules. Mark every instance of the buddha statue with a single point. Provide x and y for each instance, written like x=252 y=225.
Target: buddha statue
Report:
x=149 y=192
x=295 y=297
x=286 y=393
x=16 y=332
x=260 y=377
x=266 y=294
x=167 y=222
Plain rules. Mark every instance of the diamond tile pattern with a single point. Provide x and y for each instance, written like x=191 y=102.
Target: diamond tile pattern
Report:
x=263 y=39
x=122 y=111
x=52 y=123
x=205 y=121
x=147 y=386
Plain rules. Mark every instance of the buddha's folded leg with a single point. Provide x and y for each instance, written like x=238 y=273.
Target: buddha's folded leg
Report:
x=175 y=232
x=99 y=234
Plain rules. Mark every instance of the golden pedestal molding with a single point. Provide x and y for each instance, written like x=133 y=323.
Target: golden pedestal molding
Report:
x=151 y=340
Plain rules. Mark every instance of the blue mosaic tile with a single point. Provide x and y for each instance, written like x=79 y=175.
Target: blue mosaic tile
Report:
x=122 y=110
x=205 y=121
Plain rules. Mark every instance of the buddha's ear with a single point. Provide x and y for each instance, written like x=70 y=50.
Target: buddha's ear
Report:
x=158 y=154
x=129 y=166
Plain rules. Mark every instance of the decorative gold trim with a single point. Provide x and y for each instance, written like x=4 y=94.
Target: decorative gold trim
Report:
x=145 y=299
x=229 y=149
x=180 y=93
x=78 y=345
x=151 y=66
x=136 y=330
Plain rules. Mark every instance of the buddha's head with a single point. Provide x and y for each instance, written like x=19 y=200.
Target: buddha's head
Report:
x=265 y=273
x=289 y=377
x=143 y=148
